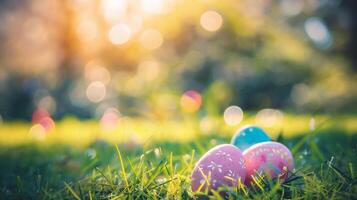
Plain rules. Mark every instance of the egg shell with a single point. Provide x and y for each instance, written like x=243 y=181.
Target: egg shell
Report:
x=222 y=165
x=270 y=158
x=248 y=136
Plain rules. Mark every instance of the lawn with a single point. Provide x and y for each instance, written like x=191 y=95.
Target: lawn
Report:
x=144 y=159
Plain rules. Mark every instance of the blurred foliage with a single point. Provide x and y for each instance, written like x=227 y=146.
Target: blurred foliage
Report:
x=82 y=57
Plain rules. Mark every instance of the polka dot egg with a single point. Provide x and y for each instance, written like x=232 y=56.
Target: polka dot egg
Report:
x=248 y=136
x=269 y=158
x=221 y=166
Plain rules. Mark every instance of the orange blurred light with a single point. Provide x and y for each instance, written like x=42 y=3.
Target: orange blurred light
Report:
x=211 y=20
x=87 y=30
x=152 y=6
x=113 y=10
x=191 y=101
x=151 y=39
x=94 y=71
x=119 y=34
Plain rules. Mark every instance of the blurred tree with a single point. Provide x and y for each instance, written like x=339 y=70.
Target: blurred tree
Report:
x=89 y=56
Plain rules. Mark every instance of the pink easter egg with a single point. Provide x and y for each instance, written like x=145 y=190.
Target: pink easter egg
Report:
x=223 y=165
x=270 y=158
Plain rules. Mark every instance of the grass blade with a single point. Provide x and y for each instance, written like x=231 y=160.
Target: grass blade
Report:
x=75 y=195
x=122 y=166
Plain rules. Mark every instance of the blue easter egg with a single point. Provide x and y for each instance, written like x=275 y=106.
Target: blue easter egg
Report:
x=248 y=136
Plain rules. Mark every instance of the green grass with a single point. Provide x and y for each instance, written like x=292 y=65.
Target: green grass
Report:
x=99 y=169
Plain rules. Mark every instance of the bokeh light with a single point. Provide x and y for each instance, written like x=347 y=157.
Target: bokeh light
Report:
x=233 y=115
x=114 y=10
x=47 y=123
x=151 y=39
x=152 y=6
x=135 y=22
x=269 y=117
x=208 y=125
x=39 y=114
x=110 y=120
x=300 y=94
x=94 y=71
x=96 y=91
x=318 y=32
x=157 y=152
x=38 y=132
x=191 y=101
x=119 y=34
x=211 y=20
x=42 y=117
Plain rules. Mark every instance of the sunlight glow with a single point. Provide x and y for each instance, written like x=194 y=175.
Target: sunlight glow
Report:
x=87 y=30
x=119 y=34
x=233 y=115
x=135 y=22
x=211 y=20
x=151 y=39
x=113 y=10
x=152 y=6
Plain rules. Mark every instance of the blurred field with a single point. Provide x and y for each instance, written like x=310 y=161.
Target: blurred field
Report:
x=142 y=131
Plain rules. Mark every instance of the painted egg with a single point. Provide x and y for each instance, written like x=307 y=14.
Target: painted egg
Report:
x=248 y=136
x=269 y=158
x=223 y=165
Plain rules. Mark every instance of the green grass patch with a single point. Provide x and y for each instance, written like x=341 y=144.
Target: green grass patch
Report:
x=99 y=168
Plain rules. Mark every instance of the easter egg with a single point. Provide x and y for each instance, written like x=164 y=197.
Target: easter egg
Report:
x=271 y=159
x=223 y=165
x=248 y=136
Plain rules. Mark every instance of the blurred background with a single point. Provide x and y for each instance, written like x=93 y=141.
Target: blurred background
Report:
x=164 y=59
x=170 y=77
